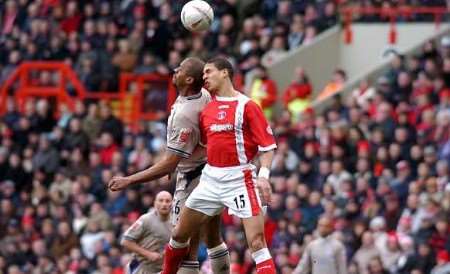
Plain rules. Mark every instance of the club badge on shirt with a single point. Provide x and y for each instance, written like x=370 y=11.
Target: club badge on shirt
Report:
x=221 y=115
x=184 y=135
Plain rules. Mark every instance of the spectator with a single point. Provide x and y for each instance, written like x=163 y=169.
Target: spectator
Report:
x=296 y=96
x=65 y=241
x=366 y=253
x=140 y=156
x=91 y=239
x=46 y=158
x=363 y=93
x=425 y=259
x=263 y=91
x=76 y=138
x=91 y=123
x=110 y=123
x=125 y=59
x=333 y=87
x=443 y=264
x=275 y=53
x=297 y=33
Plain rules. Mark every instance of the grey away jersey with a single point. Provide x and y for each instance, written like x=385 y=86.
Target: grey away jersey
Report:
x=151 y=233
x=183 y=133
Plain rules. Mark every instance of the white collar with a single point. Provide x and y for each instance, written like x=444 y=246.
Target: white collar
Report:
x=229 y=99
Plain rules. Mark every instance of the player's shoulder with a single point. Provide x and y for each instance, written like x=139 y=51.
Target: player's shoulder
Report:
x=195 y=103
x=150 y=218
x=206 y=96
x=201 y=98
x=252 y=105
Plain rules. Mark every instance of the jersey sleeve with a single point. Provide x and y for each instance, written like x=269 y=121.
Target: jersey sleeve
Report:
x=183 y=137
x=260 y=130
x=202 y=129
x=136 y=231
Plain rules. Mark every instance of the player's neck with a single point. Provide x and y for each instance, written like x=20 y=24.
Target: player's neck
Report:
x=227 y=90
x=164 y=217
x=187 y=91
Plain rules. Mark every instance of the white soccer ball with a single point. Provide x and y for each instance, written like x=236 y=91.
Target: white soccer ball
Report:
x=197 y=15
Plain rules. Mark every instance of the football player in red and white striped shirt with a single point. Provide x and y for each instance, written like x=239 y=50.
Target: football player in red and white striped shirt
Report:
x=234 y=130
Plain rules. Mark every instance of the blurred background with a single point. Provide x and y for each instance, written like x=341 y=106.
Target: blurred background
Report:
x=357 y=92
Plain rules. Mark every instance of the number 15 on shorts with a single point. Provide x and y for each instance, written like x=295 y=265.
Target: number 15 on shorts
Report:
x=240 y=201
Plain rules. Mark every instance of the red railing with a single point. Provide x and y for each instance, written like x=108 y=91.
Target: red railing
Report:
x=349 y=14
x=129 y=98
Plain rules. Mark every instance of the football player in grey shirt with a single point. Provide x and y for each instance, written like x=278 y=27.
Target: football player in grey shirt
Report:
x=147 y=237
x=185 y=154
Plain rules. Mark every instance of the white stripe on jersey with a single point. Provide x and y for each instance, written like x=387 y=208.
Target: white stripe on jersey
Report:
x=267 y=148
x=239 y=131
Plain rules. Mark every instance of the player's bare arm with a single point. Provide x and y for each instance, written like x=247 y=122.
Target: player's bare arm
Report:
x=134 y=247
x=160 y=169
x=263 y=183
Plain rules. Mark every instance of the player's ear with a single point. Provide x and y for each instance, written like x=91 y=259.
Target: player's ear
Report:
x=224 y=73
x=189 y=80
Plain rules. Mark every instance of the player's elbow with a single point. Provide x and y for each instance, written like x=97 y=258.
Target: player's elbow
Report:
x=171 y=166
x=171 y=162
x=125 y=243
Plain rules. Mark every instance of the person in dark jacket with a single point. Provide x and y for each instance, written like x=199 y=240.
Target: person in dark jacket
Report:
x=110 y=123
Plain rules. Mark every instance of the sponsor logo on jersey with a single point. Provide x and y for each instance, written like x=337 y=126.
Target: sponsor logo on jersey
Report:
x=221 y=127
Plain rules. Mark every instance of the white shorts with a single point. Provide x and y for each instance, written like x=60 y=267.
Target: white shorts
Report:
x=231 y=187
x=182 y=191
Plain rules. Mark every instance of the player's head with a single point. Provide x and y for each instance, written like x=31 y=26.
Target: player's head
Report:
x=216 y=72
x=325 y=226
x=163 y=203
x=189 y=74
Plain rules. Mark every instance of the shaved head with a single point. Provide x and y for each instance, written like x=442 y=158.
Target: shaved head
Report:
x=163 y=195
x=163 y=203
x=195 y=70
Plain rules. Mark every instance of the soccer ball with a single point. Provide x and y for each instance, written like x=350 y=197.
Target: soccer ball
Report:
x=197 y=15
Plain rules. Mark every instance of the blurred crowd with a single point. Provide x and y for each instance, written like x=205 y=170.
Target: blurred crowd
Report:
x=376 y=162
x=142 y=36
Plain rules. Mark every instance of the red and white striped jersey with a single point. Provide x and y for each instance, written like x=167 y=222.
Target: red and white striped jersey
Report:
x=234 y=129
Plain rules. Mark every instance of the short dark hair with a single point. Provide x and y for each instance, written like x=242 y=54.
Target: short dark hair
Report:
x=196 y=71
x=221 y=64
x=342 y=73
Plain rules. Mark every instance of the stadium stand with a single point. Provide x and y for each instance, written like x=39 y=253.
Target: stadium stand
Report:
x=376 y=162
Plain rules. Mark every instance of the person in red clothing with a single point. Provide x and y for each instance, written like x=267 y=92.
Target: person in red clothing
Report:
x=108 y=147
x=235 y=131
x=10 y=17
x=263 y=91
x=296 y=96
x=441 y=235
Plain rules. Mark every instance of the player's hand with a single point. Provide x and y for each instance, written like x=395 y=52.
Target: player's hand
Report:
x=118 y=183
x=154 y=256
x=265 y=190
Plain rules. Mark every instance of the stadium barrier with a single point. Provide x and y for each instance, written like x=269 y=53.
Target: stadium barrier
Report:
x=141 y=97
x=349 y=14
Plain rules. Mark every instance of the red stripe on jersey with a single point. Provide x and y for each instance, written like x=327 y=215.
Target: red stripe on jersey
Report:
x=251 y=192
